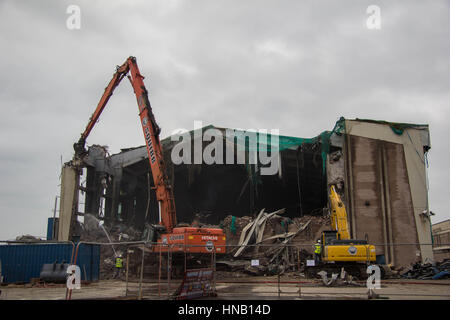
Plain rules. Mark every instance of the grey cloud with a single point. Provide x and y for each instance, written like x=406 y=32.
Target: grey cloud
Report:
x=296 y=66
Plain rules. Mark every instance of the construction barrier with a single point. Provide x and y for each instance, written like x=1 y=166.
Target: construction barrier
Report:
x=155 y=271
x=162 y=272
x=196 y=284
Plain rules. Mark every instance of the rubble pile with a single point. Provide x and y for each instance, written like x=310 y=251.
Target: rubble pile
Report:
x=427 y=271
x=314 y=230
x=279 y=244
x=94 y=231
x=28 y=238
x=338 y=279
x=270 y=243
x=275 y=226
x=233 y=226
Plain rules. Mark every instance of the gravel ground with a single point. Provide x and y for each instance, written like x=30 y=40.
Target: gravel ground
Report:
x=255 y=288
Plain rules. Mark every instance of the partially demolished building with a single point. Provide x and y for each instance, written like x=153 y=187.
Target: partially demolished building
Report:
x=379 y=169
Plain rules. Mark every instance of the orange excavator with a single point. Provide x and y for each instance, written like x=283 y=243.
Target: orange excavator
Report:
x=165 y=234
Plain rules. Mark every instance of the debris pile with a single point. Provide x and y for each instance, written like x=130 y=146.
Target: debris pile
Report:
x=94 y=231
x=427 y=271
x=28 y=238
x=270 y=243
x=318 y=224
x=233 y=227
x=265 y=244
x=338 y=280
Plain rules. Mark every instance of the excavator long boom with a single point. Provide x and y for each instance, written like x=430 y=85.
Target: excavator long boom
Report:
x=151 y=130
x=338 y=215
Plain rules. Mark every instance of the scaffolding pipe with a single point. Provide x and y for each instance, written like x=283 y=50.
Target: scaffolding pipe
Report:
x=388 y=206
x=169 y=263
x=142 y=271
x=126 y=274
x=159 y=272
x=383 y=206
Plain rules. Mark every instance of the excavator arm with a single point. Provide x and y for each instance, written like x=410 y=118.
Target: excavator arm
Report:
x=151 y=130
x=120 y=73
x=338 y=215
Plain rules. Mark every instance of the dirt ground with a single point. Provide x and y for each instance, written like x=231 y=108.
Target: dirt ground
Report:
x=254 y=288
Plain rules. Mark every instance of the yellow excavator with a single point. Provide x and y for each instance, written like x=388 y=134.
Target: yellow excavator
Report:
x=338 y=250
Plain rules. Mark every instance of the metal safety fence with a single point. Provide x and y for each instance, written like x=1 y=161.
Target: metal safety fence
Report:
x=156 y=271
x=257 y=271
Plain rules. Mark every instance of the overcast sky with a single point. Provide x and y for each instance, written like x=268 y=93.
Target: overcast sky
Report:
x=293 y=65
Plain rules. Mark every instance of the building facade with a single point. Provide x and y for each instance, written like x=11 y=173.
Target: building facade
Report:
x=379 y=169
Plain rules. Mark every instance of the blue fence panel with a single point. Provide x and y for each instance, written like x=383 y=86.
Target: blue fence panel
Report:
x=21 y=262
x=52 y=226
x=89 y=261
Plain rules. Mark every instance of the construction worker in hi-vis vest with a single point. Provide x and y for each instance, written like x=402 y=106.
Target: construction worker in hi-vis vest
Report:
x=119 y=265
x=317 y=251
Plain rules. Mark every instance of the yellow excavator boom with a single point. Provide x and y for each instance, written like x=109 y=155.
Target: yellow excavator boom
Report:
x=338 y=215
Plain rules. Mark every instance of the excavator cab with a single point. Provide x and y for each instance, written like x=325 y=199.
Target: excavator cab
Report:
x=328 y=237
x=152 y=232
x=332 y=237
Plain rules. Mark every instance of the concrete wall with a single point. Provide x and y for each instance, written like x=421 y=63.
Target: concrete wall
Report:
x=441 y=240
x=386 y=178
x=69 y=202
x=441 y=254
x=441 y=226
